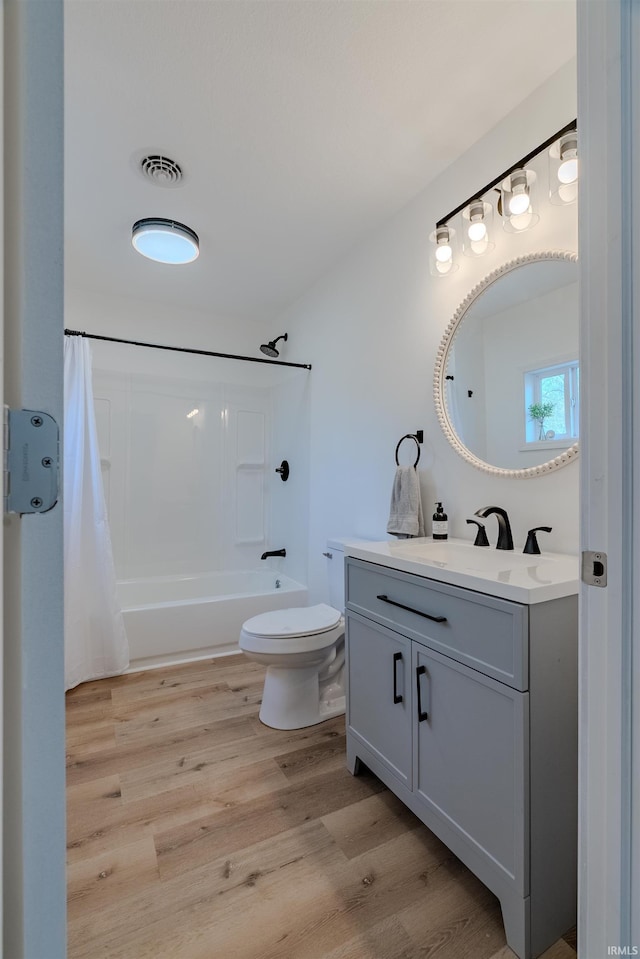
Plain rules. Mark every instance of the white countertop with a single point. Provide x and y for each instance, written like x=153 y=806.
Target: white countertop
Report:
x=509 y=574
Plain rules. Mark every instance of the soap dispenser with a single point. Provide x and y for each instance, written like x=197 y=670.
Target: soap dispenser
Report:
x=440 y=525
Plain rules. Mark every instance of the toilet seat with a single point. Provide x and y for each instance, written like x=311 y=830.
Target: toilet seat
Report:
x=303 y=629
x=299 y=621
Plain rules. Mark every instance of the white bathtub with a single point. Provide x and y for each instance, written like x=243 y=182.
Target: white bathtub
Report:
x=175 y=619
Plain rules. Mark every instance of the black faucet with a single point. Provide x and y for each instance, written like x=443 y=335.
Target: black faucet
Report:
x=505 y=539
x=274 y=552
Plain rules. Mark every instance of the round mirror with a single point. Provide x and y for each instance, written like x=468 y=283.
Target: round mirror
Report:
x=507 y=379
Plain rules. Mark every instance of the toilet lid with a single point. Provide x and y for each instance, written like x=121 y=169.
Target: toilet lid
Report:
x=301 y=621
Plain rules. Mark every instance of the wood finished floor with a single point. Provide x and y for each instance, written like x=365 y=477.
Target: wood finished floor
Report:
x=195 y=832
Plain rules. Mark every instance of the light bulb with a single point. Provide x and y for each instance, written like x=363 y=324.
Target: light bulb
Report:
x=443 y=253
x=518 y=202
x=568 y=170
x=477 y=231
x=519 y=199
x=568 y=151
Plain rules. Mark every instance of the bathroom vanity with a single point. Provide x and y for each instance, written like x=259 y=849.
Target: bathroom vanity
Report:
x=462 y=699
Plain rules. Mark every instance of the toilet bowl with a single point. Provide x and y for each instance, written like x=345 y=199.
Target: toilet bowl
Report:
x=303 y=650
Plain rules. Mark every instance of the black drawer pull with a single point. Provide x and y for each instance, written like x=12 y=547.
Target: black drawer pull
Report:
x=392 y=602
x=421 y=715
x=397 y=658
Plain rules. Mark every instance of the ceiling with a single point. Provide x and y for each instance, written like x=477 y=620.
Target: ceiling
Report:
x=300 y=125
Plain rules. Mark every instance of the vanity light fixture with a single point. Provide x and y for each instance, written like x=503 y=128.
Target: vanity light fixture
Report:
x=165 y=241
x=564 y=169
x=442 y=260
x=516 y=204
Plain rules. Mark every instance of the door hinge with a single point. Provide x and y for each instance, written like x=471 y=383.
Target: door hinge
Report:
x=594 y=567
x=31 y=461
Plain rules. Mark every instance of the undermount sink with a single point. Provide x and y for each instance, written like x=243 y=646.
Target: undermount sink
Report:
x=511 y=574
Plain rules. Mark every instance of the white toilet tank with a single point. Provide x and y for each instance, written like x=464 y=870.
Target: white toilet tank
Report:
x=335 y=565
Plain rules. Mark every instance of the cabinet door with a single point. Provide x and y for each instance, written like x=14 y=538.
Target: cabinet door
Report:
x=471 y=759
x=379 y=693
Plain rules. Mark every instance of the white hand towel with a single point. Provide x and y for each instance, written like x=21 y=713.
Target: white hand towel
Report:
x=405 y=514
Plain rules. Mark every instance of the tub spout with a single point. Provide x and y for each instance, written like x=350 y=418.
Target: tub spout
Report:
x=274 y=552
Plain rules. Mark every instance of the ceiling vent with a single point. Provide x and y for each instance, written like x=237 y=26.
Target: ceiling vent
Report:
x=161 y=170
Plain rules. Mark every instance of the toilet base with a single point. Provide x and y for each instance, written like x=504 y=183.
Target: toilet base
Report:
x=293 y=698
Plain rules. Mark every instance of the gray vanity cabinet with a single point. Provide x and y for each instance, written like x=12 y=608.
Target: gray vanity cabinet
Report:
x=464 y=705
x=470 y=731
x=380 y=695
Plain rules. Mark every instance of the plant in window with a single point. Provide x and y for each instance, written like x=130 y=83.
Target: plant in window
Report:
x=539 y=413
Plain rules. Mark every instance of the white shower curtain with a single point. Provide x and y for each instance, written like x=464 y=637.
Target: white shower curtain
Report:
x=95 y=638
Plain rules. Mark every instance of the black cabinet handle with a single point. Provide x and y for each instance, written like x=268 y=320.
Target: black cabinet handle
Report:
x=397 y=658
x=422 y=715
x=392 y=602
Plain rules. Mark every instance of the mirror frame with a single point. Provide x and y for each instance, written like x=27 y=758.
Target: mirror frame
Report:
x=439 y=391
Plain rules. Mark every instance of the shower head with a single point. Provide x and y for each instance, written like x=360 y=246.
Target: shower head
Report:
x=270 y=348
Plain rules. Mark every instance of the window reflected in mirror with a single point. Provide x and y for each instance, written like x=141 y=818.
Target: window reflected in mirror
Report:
x=552 y=405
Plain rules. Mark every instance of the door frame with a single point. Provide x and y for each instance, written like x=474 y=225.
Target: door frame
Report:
x=33 y=696
x=609 y=243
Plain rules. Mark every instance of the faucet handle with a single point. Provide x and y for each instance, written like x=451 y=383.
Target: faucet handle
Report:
x=481 y=533
x=531 y=546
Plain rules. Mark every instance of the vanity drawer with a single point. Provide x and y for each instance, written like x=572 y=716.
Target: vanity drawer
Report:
x=484 y=632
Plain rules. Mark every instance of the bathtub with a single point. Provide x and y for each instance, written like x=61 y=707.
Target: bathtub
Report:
x=177 y=619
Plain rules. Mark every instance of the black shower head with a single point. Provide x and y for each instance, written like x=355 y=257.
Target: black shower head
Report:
x=270 y=347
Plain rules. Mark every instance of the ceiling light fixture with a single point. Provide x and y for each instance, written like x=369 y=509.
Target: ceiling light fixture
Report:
x=165 y=241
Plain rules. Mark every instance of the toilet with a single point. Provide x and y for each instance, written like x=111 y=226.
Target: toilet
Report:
x=303 y=650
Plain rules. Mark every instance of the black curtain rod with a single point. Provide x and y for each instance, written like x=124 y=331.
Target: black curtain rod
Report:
x=185 y=349
x=573 y=125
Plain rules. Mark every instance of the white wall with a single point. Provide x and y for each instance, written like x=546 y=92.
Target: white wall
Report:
x=107 y=314
x=372 y=329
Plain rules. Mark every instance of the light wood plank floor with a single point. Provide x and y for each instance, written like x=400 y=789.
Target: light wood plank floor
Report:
x=195 y=832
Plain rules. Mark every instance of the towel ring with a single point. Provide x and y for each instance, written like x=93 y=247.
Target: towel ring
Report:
x=409 y=436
